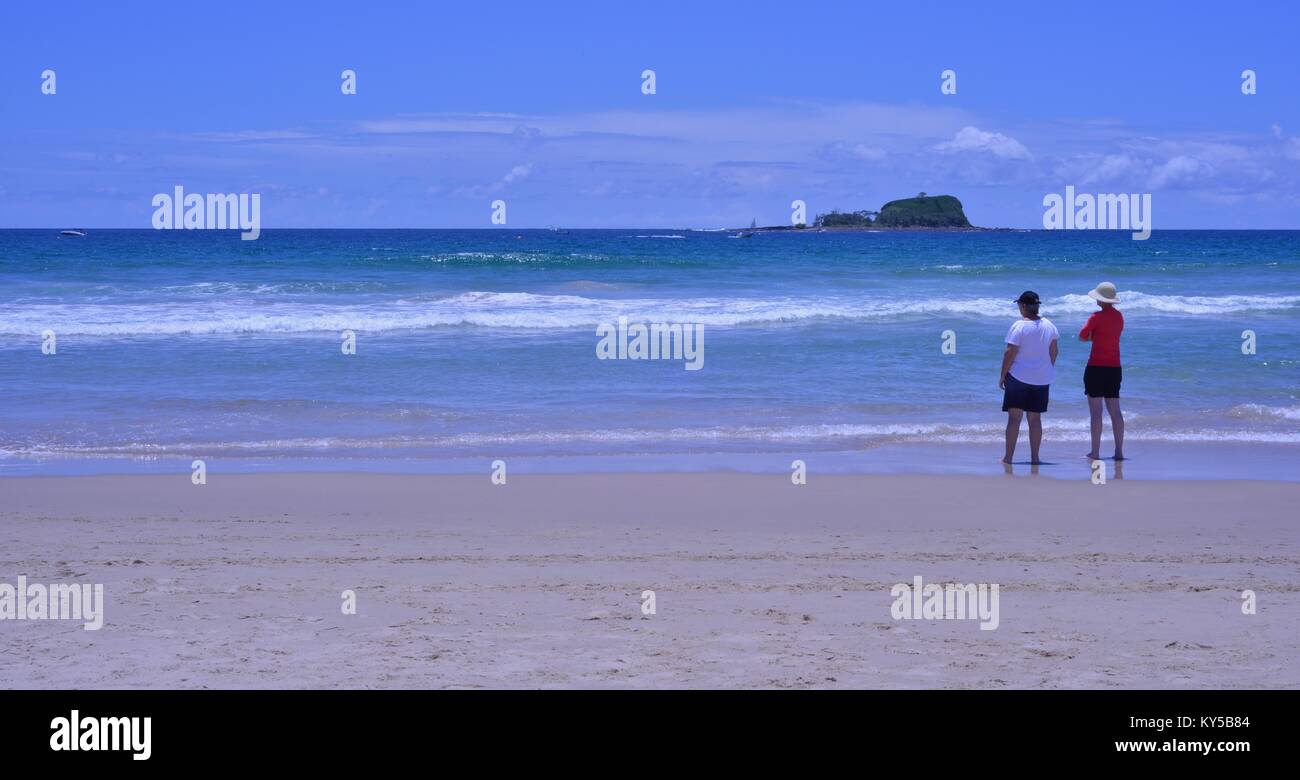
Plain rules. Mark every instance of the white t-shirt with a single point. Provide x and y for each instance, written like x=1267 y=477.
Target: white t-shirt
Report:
x=1033 y=363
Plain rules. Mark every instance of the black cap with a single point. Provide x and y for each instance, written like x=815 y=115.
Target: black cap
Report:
x=1028 y=296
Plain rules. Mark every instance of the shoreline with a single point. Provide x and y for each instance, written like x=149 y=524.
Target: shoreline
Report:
x=759 y=583
x=1148 y=460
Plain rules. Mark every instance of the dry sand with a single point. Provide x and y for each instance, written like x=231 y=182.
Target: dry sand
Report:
x=758 y=582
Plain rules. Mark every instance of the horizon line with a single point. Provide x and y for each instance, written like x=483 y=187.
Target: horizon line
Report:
x=760 y=228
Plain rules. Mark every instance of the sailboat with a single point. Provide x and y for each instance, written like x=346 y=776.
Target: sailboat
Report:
x=753 y=225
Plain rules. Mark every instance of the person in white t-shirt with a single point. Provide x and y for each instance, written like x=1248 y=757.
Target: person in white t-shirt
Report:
x=1028 y=367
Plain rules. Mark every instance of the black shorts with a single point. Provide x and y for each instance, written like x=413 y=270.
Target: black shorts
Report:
x=1102 y=381
x=1031 y=398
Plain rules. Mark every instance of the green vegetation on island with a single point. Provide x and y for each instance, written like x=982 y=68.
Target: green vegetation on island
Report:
x=923 y=211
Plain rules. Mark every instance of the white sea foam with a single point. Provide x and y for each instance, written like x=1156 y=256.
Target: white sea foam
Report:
x=637 y=439
x=1182 y=304
x=1270 y=412
x=530 y=311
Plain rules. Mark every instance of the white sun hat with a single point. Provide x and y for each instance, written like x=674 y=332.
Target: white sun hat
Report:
x=1105 y=293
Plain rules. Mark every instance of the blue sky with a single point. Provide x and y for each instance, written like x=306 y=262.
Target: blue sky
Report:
x=540 y=105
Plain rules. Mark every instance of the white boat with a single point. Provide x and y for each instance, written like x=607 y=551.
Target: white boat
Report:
x=72 y=232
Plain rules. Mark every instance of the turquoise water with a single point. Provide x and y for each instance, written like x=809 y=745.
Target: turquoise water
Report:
x=474 y=345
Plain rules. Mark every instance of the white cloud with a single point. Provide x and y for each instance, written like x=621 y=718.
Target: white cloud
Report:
x=254 y=135
x=973 y=139
x=730 y=159
x=518 y=173
x=444 y=123
x=802 y=124
x=1090 y=169
x=841 y=150
x=864 y=152
x=844 y=156
x=1180 y=171
x=513 y=176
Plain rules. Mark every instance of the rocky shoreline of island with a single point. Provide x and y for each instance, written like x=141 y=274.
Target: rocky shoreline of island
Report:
x=857 y=229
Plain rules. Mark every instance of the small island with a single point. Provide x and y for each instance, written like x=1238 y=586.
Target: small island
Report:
x=924 y=212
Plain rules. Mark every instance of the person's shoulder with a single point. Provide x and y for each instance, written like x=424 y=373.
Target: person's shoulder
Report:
x=1048 y=323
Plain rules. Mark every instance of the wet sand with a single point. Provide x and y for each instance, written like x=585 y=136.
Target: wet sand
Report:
x=757 y=582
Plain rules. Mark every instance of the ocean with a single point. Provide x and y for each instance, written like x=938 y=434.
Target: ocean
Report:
x=477 y=345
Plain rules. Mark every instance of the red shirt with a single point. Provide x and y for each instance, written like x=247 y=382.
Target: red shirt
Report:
x=1105 y=327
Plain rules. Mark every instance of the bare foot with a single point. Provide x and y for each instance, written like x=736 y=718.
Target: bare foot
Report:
x=1120 y=456
x=1092 y=456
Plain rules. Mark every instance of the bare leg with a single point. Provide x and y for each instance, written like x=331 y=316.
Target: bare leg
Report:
x=1035 y=435
x=1094 y=411
x=1116 y=426
x=1013 y=432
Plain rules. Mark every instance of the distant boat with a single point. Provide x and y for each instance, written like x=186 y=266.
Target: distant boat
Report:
x=72 y=232
x=753 y=224
x=560 y=231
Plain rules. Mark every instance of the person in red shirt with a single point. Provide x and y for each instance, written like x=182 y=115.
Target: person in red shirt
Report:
x=1101 y=379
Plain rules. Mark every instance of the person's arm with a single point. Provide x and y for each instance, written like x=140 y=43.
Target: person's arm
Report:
x=1053 y=350
x=1088 y=327
x=1008 y=358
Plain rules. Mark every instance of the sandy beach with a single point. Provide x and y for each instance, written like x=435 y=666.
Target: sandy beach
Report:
x=758 y=582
